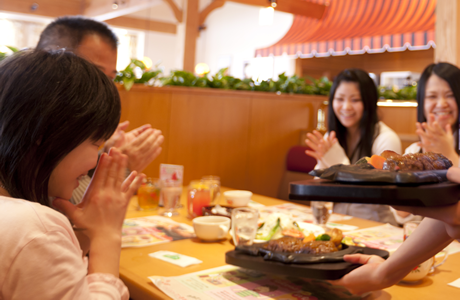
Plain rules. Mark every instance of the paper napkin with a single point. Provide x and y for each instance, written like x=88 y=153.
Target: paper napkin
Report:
x=176 y=258
x=455 y=283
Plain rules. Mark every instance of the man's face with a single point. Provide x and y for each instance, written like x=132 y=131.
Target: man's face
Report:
x=94 y=49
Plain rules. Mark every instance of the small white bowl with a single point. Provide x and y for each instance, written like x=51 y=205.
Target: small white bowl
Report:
x=237 y=197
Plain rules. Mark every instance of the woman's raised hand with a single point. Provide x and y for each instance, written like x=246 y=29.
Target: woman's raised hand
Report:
x=434 y=138
x=104 y=205
x=320 y=145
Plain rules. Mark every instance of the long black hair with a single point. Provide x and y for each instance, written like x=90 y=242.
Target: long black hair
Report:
x=368 y=122
x=449 y=73
x=50 y=102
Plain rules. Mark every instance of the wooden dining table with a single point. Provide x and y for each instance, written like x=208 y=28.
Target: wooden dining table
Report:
x=136 y=265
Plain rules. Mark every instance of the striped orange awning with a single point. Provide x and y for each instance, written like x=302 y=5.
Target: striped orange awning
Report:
x=359 y=26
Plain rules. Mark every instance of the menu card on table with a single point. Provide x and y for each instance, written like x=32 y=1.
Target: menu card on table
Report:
x=386 y=237
x=298 y=212
x=233 y=283
x=151 y=230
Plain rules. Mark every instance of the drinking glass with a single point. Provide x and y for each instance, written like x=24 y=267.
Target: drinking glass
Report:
x=198 y=196
x=214 y=183
x=148 y=194
x=170 y=192
x=244 y=225
x=321 y=211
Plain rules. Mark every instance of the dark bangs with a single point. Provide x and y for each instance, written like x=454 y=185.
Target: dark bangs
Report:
x=50 y=102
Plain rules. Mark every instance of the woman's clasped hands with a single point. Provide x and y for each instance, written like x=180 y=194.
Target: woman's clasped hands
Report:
x=320 y=145
x=104 y=205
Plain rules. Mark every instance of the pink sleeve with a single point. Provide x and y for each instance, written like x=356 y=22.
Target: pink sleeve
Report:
x=108 y=285
x=51 y=266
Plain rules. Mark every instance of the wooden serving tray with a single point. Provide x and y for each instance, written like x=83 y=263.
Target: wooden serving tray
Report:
x=435 y=194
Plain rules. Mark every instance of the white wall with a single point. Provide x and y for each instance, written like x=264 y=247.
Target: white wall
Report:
x=233 y=34
x=230 y=39
x=161 y=48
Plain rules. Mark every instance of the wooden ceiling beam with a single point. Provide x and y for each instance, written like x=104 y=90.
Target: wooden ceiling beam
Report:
x=296 y=7
x=143 y=24
x=208 y=9
x=176 y=10
x=46 y=8
x=103 y=10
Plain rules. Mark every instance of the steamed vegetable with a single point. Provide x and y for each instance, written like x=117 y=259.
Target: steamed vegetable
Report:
x=271 y=233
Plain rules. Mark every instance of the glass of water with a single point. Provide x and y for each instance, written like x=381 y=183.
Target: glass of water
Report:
x=321 y=211
x=244 y=225
x=171 y=192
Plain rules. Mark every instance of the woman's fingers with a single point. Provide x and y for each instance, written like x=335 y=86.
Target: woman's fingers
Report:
x=122 y=126
x=102 y=169
x=332 y=135
x=134 y=186
x=112 y=172
x=311 y=137
x=318 y=135
x=431 y=118
x=126 y=184
x=313 y=154
x=312 y=145
x=362 y=259
x=121 y=171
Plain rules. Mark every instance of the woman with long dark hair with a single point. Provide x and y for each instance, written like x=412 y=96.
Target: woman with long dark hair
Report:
x=56 y=109
x=354 y=131
x=438 y=99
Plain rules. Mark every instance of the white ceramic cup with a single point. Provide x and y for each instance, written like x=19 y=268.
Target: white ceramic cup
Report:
x=211 y=228
x=423 y=269
x=238 y=197
x=426 y=267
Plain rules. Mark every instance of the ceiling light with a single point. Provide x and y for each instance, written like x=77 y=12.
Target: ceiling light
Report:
x=266 y=16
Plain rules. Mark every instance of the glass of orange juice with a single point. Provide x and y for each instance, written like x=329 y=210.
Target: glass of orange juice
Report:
x=148 y=195
x=198 y=196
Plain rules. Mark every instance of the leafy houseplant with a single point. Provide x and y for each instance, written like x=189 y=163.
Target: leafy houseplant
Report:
x=4 y=55
x=405 y=93
x=136 y=72
x=284 y=84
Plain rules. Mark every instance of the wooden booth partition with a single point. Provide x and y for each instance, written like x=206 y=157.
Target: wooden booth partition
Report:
x=243 y=137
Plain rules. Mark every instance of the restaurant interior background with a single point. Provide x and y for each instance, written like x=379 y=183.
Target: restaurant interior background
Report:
x=244 y=136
